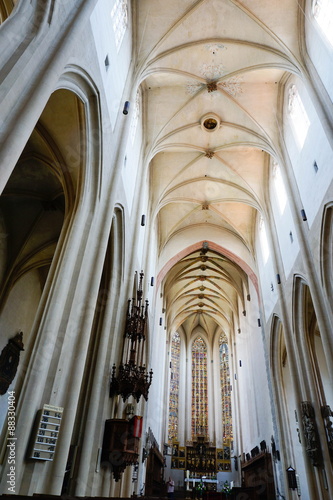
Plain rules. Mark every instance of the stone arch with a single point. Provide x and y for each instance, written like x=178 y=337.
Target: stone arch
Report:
x=6 y=8
x=200 y=417
x=287 y=435
x=45 y=192
x=175 y=387
x=97 y=364
x=326 y=253
x=314 y=376
x=313 y=364
x=213 y=246
x=282 y=377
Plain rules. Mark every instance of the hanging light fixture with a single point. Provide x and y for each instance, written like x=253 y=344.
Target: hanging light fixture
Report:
x=132 y=378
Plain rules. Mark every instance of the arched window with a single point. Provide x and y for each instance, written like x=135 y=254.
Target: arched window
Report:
x=327 y=252
x=199 y=389
x=135 y=117
x=263 y=240
x=280 y=190
x=225 y=389
x=174 y=388
x=119 y=19
x=323 y=14
x=299 y=119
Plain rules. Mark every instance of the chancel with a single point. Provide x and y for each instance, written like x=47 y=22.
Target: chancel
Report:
x=166 y=249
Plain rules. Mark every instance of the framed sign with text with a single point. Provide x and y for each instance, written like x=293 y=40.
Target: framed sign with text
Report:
x=45 y=433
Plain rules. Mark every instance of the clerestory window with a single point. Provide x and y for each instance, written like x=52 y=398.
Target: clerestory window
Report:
x=323 y=14
x=299 y=119
x=263 y=240
x=280 y=190
x=119 y=17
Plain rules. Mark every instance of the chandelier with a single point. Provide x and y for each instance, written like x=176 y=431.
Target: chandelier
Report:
x=131 y=378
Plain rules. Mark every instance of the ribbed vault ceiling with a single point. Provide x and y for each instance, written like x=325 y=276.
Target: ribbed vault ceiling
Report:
x=203 y=289
x=224 y=61
x=40 y=190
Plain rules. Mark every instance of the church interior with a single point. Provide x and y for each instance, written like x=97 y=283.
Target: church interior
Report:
x=166 y=249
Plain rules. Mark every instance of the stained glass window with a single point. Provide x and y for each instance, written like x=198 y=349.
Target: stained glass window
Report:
x=199 y=389
x=119 y=20
x=174 y=388
x=225 y=389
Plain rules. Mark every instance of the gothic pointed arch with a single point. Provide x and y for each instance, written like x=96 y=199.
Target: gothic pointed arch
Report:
x=287 y=427
x=225 y=386
x=281 y=377
x=175 y=352
x=102 y=348
x=6 y=7
x=326 y=246
x=199 y=421
x=315 y=378
x=44 y=194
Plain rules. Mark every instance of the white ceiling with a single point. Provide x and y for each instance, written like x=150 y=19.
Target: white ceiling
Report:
x=210 y=185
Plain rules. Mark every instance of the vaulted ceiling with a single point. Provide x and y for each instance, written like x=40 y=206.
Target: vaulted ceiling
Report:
x=40 y=191
x=212 y=73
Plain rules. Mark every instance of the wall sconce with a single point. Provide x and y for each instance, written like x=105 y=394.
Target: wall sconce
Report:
x=152 y=281
x=161 y=321
x=291 y=473
x=278 y=279
x=126 y=107
x=143 y=220
x=259 y=322
x=303 y=214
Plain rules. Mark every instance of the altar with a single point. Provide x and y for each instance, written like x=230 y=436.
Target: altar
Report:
x=192 y=483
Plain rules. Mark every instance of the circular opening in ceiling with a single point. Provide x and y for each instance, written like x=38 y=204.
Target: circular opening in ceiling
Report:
x=210 y=122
